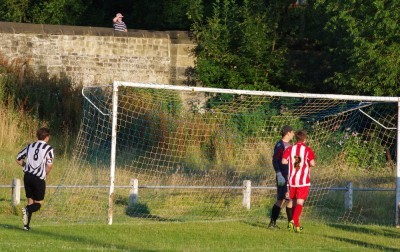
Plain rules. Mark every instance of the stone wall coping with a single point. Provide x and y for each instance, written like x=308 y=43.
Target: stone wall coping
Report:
x=176 y=37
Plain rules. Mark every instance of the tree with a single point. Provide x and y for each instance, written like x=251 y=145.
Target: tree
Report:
x=239 y=44
x=365 y=37
x=66 y=12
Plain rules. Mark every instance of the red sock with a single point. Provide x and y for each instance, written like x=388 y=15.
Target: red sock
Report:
x=296 y=215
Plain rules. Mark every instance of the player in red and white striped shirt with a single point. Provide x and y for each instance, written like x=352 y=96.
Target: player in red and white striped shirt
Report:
x=300 y=158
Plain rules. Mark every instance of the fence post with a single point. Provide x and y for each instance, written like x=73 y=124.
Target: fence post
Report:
x=134 y=192
x=246 y=194
x=348 y=197
x=16 y=192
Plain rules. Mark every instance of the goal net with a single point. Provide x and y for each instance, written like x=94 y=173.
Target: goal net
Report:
x=189 y=153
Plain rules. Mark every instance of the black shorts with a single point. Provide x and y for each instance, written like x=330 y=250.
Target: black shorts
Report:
x=35 y=187
x=282 y=192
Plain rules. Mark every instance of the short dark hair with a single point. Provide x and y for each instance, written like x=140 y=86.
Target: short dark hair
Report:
x=286 y=129
x=42 y=133
x=301 y=135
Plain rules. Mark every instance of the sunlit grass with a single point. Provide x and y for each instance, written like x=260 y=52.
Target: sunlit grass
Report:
x=193 y=236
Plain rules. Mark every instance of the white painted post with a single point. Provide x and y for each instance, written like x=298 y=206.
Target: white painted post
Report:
x=348 y=198
x=113 y=152
x=134 y=192
x=247 y=194
x=16 y=192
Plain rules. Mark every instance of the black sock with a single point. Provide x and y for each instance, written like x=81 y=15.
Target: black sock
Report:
x=31 y=209
x=275 y=212
x=34 y=207
x=289 y=213
x=29 y=218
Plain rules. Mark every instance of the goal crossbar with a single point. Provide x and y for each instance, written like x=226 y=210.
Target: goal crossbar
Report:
x=261 y=93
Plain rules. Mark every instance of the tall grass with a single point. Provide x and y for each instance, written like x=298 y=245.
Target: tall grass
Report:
x=30 y=100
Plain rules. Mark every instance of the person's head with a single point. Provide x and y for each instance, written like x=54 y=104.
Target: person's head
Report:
x=301 y=135
x=119 y=16
x=42 y=134
x=286 y=130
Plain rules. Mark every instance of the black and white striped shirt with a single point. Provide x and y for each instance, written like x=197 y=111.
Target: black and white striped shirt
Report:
x=120 y=26
x=37 y=155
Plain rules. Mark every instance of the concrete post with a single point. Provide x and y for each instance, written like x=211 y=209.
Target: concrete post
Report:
x=16 y=192
x=247 y=194
x=348 y=198
x=134 y=192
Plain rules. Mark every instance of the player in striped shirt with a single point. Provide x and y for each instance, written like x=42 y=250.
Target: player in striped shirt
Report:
x=300 y=158
x=37 y=161
x=118 y=24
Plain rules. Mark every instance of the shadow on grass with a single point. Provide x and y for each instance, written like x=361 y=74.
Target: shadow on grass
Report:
x=6 y=226
x=359 y=229
x=363 y=244
x=257 y=224
x=142 y=211
x=75 y=239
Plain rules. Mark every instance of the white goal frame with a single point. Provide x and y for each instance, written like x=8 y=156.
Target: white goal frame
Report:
x=117 y=84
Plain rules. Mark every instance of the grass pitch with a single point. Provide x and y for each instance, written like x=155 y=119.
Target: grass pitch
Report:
x=194 y=236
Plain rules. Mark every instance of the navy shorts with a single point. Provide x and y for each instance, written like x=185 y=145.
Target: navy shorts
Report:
x=282 y=192
x=35 y=187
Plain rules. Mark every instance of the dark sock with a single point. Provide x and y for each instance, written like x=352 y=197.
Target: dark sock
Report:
x=275 y=212
x=29 y=219
x=31 y=209
x=34 y=207
x=289 y=213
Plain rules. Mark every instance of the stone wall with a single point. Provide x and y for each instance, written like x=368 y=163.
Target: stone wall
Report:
x=94 y=56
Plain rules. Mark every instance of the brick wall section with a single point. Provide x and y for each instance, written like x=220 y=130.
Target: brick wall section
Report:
x=93 y=56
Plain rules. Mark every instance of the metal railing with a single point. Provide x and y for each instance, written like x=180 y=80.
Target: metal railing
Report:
x=247 y=188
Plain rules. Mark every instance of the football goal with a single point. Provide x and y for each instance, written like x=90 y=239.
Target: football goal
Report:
x=179 y=153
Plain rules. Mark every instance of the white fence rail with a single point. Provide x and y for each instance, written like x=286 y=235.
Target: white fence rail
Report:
x=134 y=187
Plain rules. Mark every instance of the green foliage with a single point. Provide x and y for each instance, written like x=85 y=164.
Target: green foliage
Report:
x=249 y=124
x=238 y=44
x=41 y=100
x=364 y=154
x=43 y=11
x=364 y=35
x=358 y=151
x=51 y=99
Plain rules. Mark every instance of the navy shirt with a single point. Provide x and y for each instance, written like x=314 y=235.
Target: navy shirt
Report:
x=280 y=147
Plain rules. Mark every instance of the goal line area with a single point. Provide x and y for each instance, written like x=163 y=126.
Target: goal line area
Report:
x=165 y=152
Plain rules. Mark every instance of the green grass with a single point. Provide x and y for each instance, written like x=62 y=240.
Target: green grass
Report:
x=193 y=236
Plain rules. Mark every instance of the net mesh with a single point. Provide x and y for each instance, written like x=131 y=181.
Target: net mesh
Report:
x=192 y=151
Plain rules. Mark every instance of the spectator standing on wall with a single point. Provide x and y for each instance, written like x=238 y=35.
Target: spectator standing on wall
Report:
x=118 y=24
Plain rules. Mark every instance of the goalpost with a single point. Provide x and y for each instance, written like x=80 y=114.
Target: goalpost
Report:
x=196 y=153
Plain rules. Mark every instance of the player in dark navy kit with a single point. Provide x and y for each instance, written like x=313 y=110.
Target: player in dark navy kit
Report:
x=37 y=161
x=281 y=171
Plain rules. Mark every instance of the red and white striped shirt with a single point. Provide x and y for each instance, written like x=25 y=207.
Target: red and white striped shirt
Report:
x=299 y=157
